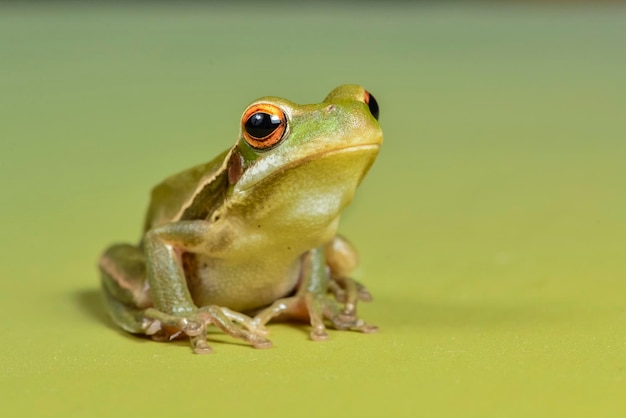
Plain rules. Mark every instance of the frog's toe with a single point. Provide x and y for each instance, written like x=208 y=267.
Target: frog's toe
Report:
x=236 y=325
x=319 y=335
x=262 y=343
x=259 y=329
x=200 y=346
x=160 y=336
x=151 y=326
x=363 y=327
x=254 y=339
x=191 y=327
x=368 y=329
x=364 y=294
x=347 y=317
x=256 y=326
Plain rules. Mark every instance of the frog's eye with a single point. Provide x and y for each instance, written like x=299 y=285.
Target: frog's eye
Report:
x=371 y=102
x=263 y=125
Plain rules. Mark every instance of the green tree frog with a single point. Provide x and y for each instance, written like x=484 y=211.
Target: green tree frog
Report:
x=251 y=235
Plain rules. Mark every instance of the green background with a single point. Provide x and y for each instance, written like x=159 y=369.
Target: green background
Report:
x=491 y=228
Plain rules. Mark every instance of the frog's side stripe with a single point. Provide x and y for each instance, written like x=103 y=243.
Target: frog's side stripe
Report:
x=207 y=196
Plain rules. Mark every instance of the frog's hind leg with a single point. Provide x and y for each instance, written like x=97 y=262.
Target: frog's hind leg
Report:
x=124 y=316
x=123 y=272
x=342 y=259
x=127 y=293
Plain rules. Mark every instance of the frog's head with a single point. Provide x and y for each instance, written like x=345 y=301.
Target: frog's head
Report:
x=278 y=136
x=307 y=157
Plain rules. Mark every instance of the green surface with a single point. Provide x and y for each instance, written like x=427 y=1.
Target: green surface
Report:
x=492 y=228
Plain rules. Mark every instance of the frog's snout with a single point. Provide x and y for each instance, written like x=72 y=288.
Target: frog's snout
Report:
x=354 y=92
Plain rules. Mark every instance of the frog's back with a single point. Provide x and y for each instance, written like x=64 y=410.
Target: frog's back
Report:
x=174 y=198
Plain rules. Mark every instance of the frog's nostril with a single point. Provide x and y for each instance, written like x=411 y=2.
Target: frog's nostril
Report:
x=372 y=104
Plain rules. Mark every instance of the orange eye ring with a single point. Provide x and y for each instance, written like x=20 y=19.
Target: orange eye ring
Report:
x=263 y=125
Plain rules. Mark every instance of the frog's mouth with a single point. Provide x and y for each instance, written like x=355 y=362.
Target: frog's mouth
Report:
x=341 y=164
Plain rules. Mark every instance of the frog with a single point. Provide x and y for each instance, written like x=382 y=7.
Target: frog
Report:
x=251 y=236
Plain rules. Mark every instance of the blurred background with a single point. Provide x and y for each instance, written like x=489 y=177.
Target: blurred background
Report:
x=491 y=228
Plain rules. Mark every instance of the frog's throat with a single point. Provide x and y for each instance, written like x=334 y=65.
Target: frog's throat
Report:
x=266 y=165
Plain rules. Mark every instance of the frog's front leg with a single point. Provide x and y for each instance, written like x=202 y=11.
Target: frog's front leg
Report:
x=173 y=304
x=313 y=294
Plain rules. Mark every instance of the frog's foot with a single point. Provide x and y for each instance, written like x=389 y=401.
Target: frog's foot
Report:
x=348 y=291
x=318 y=308
x=321 y=307
x=162 y=326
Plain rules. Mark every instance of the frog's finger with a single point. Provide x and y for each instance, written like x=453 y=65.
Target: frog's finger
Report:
x=251 y=324
x=220 y=317
x=316 y=305
x=275 y=309
x=199 y=344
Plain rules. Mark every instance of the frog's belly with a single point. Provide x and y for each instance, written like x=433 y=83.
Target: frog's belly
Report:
x=241 y=286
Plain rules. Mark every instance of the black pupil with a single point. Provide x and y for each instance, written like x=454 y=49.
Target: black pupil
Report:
x=373 y=105
x=262 y=124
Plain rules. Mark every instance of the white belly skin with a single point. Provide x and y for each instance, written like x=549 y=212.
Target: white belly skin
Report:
x=256 y=269
x=243 y=287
